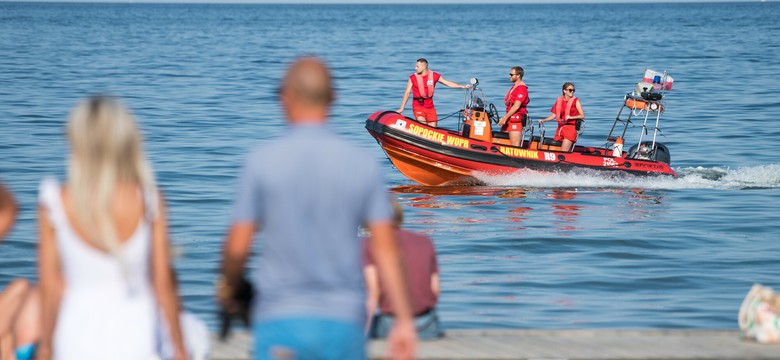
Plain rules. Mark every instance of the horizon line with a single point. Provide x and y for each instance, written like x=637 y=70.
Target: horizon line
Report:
x=381 y=2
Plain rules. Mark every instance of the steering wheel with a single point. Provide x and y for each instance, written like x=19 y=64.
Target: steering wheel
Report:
x=493 y=113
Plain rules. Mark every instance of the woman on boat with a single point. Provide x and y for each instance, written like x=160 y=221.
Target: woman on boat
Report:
x=567 y=110
x=103 y=249
x=516 y=101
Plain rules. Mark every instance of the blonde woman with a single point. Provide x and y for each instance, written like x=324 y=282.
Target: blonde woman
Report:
x=103 y=248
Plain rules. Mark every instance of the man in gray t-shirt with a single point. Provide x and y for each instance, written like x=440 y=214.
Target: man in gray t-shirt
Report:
x=307 y=193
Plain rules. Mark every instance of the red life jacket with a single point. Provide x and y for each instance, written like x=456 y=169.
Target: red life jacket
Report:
x=425 y=91
x=562 y=111
x=523 y=103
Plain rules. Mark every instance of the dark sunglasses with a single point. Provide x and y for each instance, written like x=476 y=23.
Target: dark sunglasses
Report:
x=570 y=90
x=512 y=74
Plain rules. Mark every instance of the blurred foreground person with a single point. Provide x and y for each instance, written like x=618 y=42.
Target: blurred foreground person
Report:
x=8 y=211
x=309 y=204
x=422 y=275
x=759 y=315
x=103 y=250
x=20 y=307
x=19 y=301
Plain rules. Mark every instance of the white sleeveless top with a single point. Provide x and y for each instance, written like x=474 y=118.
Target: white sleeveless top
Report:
x=108 y=308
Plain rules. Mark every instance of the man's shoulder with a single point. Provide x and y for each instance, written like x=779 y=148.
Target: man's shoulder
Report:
x=522 y=88
x=262 y=150
x=311 y=143
x=346 y=146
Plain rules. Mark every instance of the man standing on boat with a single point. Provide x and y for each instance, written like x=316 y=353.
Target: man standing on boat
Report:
x=422 y=84
x=516 y=101
x=309 y=205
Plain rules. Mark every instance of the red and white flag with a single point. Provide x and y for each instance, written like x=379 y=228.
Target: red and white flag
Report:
x=662 y=78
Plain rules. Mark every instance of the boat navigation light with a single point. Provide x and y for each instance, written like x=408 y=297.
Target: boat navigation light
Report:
x=474 y=82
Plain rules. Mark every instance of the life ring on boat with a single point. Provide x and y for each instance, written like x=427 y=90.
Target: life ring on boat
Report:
x=636 y=104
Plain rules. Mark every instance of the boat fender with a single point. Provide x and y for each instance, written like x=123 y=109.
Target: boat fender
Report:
x=561 y=158
x=636 y=104
x=627 y=164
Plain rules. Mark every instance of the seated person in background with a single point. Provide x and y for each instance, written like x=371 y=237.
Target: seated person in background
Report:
x=759 y=315
x=567 y=110
x=422 y=276
x=516 y=101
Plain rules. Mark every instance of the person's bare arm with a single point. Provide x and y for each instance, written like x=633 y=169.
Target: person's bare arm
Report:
x=435 y=284
x=372 y=291
x=402 y=340
x=238 y=243
x=452 y=84
x=162 y=280
x=551 y=117
x=406 y=96
x=8 y=210
x=51 y=282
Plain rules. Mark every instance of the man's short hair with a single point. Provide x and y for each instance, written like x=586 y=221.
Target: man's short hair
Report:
x=518 y=70
x=422 y=60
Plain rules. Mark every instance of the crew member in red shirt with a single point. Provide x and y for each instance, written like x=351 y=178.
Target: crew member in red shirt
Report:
x=516 y=101
x=421 y=85
x=567 y=110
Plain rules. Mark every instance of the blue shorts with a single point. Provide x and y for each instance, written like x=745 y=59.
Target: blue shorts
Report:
x=26 y=352
x=302 y=338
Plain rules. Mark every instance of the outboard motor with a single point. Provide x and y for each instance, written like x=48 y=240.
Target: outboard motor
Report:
x=645 y=151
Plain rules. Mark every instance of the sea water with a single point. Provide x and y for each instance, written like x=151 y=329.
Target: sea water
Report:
x=563 y=250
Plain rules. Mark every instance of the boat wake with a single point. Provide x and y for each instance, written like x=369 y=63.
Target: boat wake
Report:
x=752 y=177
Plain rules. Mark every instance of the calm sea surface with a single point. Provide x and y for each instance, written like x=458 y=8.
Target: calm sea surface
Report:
x=549 y=251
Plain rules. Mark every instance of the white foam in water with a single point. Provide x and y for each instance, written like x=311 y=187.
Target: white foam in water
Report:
x=762 y=176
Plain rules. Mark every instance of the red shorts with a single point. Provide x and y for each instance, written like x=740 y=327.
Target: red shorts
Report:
x=515 y=123
x=568 y=132
x=428 y=113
